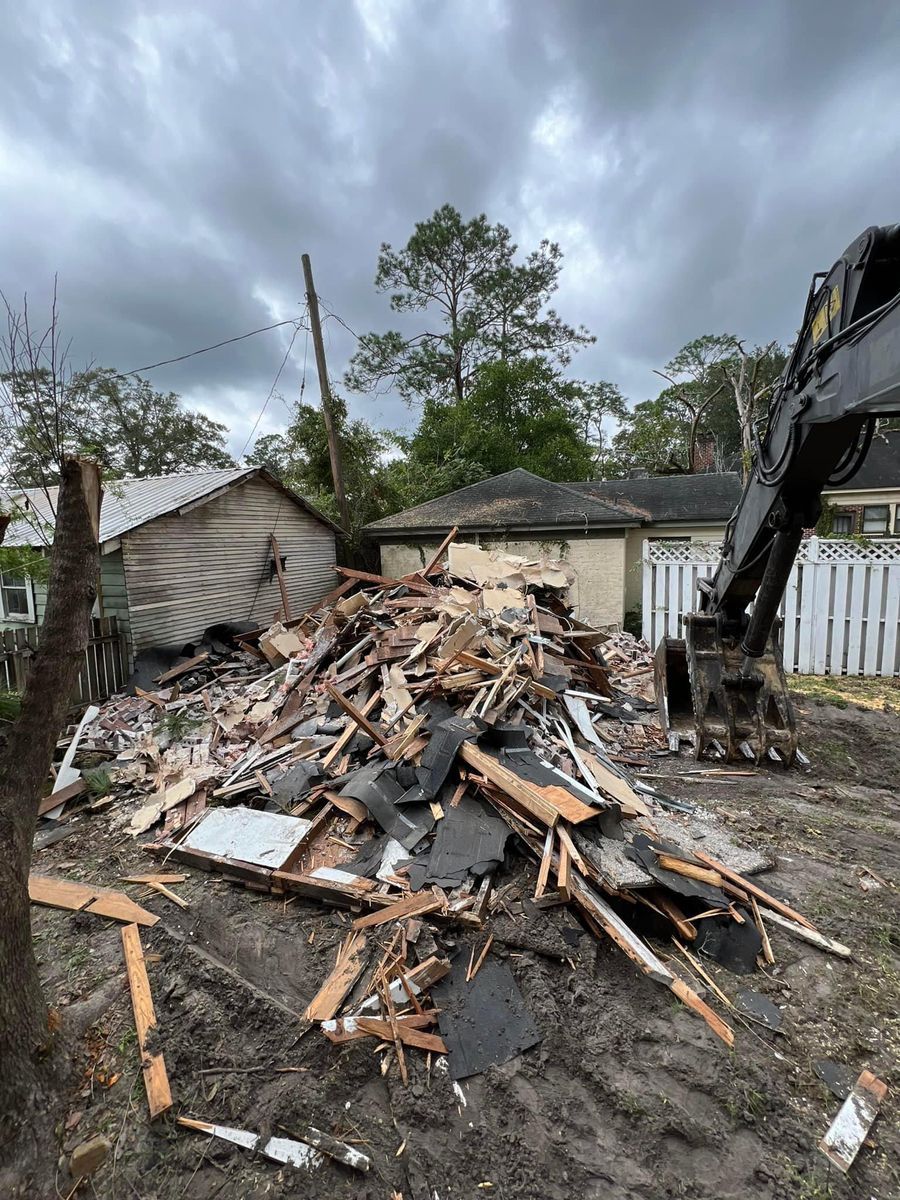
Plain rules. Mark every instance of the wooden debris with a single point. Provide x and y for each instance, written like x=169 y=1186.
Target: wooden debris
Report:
x=182 y=669
x=413 y=906
x=156 y=1081
x=349 y=966
x=855 y=1118
x=808 y=935
x=82 y=897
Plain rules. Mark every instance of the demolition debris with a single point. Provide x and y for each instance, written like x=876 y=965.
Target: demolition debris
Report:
x=400 y=751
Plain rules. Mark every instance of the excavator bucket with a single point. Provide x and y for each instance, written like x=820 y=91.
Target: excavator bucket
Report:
x=700 y=687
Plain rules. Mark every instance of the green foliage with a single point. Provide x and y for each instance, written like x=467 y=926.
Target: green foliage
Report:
x=10 y=705
x=478 y=303
x=517 y=414
x=23 y=562
x=300 y=458
x=133 y=430
x=99 y=782
x=177 y=725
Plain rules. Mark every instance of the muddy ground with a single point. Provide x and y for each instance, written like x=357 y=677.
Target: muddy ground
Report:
x=629 y=1096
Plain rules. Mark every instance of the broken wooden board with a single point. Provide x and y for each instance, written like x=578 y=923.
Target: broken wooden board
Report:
x=351 y=962
x=547 y=804
x=855 y=1118
x=156 y=1080
x=807 y=935
x=182 y=668
x=413 y=906
x=83 y=897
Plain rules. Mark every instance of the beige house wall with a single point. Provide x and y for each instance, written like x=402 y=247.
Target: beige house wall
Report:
x=598 y=560
x=634 y=551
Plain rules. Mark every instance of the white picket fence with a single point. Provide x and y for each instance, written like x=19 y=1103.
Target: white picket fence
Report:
x=841 y=608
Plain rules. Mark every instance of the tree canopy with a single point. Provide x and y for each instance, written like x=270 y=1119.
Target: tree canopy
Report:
x=479 y=304
x=133 y=430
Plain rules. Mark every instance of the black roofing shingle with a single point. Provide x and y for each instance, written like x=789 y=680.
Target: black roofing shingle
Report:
x=711 y=497
x=515 y=500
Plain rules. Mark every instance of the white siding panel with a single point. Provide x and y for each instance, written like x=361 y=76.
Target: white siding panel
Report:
x=184 y=573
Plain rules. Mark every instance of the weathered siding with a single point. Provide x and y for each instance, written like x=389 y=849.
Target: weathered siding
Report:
x=211 y=564
x=598 y=559
x=112 y=596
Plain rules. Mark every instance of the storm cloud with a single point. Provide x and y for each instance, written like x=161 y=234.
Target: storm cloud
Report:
x=171 y=161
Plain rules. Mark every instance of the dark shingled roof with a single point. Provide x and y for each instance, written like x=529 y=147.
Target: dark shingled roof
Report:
x=882 y=466
x=516 y=500
x=671 y=497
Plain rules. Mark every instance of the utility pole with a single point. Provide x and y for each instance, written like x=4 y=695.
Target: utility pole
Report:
x=334 y=449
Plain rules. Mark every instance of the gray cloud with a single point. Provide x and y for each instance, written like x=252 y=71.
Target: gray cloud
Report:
x=172 y=161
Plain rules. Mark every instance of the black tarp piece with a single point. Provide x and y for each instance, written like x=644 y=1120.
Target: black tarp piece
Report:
x=837 y=1078
x=484 y=1022
x=154 y=661
x=440 y=753
x=379 y=791
x=470 y=838
x=642 y=851
x=758 y=1008
x=733 y=946
x=368 y=860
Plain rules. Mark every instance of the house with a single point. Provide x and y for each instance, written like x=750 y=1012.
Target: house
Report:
x=521 y=513
x=869 y=503
x=182 y=552
x=671 y=508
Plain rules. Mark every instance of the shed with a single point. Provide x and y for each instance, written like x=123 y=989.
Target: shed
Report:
x=521 y=513
x=182 y=552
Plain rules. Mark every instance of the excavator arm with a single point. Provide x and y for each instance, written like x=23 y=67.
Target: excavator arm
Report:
x=843 y=374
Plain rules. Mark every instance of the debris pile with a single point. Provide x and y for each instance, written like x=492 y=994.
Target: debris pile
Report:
x=395 y=751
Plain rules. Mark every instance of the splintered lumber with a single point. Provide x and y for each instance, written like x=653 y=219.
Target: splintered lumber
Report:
x=356 y=715
x=168 y=893
x=397 y=746
x=348 y=1029
x=613 y=925
x=766 y=944
x=281 y=1150
x=413 y=906
x=182 y=668
x=57 y=799
x=83 y=897
x=563 y=872
x=156 y=1081
x=282 y=583
x=809 y=935
x=351 y=962
x=425 y=589
x=440 y=552
x=615 y=787
x=547 y=804
x=671 y=862
x=689 y=997
x=732 y=880
x=349 y=733
x=544 y=869
x=855 y=1118
x=395 y=1029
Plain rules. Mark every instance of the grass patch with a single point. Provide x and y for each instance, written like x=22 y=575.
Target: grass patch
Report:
x=878 y=694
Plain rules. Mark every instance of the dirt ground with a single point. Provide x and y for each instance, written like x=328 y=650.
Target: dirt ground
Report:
x=629 y=1096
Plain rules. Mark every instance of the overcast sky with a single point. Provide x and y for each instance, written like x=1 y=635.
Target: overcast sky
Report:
x=172 y=160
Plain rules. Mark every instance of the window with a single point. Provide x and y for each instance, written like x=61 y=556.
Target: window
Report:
x=15 y=598
x=842 y=523
x=876 y=518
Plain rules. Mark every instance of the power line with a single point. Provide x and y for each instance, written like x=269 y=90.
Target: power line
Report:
x=205 y=349
x=287 y=355
x=340 y=320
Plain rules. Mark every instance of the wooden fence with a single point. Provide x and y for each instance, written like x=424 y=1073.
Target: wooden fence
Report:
x=841 y=608
x=105 y=660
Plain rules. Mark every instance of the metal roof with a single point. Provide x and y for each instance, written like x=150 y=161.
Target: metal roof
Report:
x=128 y=503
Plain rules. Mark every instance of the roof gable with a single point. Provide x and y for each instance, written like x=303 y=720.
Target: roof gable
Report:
x=515 y=500
x=881 y=468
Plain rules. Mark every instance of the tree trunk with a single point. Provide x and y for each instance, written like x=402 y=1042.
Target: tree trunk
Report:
x=24 y=765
